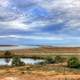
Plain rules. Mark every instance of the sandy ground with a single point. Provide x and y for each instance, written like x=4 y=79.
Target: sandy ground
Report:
x=35 y=77
x=20 y=73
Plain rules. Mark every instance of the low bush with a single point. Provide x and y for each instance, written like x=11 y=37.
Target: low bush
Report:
x=16 y=61
x=42 y=63
x=7 y=54
x=49 y=60
x=73 y=62
x=58 y=59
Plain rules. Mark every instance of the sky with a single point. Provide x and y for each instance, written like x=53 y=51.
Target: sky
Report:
x=40 y=22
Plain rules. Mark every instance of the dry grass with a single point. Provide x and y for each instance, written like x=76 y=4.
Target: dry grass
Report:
x=37 y=77
x=32 y=72
x=45 y=51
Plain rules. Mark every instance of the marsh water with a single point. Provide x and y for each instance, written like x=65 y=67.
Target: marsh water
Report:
x=25 y=60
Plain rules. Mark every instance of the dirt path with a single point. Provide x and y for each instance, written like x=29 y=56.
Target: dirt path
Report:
x=34 y=77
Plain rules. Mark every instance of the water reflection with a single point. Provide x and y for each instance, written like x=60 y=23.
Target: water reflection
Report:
x=8 y=61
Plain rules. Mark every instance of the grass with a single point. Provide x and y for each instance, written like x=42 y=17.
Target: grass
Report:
x=41 y=72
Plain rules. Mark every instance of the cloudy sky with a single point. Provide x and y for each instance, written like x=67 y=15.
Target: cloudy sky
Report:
x=40 y=22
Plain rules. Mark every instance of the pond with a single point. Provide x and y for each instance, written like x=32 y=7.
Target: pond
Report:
x=25 y=60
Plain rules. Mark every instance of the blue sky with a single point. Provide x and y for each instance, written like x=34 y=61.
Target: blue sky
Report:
x=40 y=22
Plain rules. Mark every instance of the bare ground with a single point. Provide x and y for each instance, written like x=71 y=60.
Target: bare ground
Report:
x=20 y=73
x=35 y=77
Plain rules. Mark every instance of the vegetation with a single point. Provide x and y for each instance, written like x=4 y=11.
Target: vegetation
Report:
x=42 y=63
x=58 y=59
x=16 y=61
x=49 y=60
x=7 y=54
x=52 y=65
x=73 y=62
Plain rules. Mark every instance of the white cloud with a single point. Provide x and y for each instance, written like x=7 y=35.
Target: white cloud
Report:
x=4 y=3
x=40 y=37
x=75 y=24
x=21 y=23
x=69 y=9
x=33 y=37
x=11 y=20
x=60 y=4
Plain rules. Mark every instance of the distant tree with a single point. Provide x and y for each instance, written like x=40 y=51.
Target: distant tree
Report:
x=16 y=61
x=73 y=62
x=7 y=55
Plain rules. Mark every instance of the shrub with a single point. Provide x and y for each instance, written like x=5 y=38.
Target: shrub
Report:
x=58 y=59
x=16 y=61
x=73 y=62
x=7 y=54
x=42 y=63
x=49 y=60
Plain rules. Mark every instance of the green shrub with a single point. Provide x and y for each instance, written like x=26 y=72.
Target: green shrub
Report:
x=73 y=62
x=16 y=61
x=58 y=59
x=49 y=60
x=42 y=63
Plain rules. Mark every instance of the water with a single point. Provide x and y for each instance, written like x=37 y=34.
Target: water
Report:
x=16 y=47
x=25 y=60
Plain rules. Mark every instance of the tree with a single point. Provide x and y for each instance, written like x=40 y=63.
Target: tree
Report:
x=16 y=61
x=73 y=62
x=7 y=55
